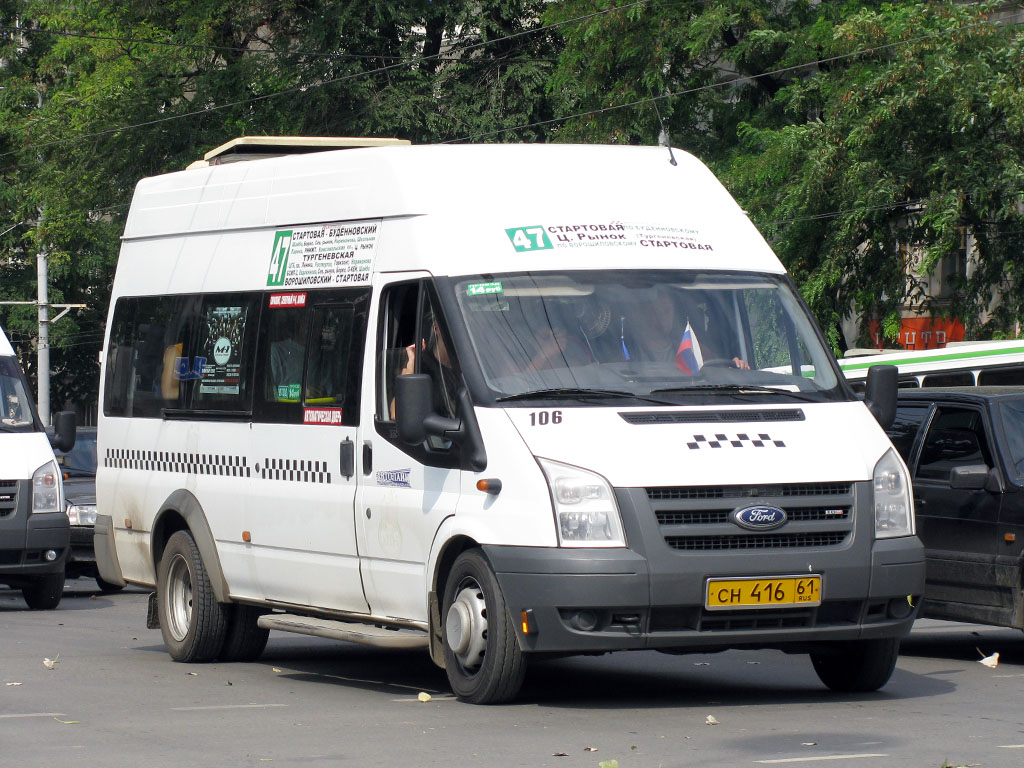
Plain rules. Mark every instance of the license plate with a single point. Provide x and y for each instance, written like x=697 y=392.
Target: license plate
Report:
x=763 y=592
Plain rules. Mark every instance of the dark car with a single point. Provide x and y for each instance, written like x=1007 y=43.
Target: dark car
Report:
x=79 y=468
x=965 y=450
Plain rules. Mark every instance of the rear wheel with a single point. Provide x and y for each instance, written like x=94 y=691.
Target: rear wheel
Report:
x=45 y=592
x=245 y=639
x=192 y=622
x=857 y=666
x=482 y=656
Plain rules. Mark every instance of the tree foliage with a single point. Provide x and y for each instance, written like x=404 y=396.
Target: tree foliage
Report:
x=852 y=131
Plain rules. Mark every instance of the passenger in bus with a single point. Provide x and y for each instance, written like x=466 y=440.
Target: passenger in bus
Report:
x=659 y=332
x=287 y=353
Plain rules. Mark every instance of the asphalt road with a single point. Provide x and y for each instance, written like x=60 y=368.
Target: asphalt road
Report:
x=112 y=697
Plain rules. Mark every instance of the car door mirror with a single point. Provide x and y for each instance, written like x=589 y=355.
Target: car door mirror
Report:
x=970 y=477
x=63 y=438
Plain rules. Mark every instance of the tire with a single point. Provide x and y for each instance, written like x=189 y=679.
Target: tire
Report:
x=45 y=592
x=192 y=622
x=106 y=586
x=858 y=666
x=481 y=652
x=245 y=640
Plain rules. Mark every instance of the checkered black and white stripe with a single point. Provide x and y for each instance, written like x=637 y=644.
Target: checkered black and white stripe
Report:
x=174 y=461
x=295 y=470
x=741 y=440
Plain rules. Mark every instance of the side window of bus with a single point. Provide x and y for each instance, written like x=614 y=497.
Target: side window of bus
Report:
x=311 y=358
x=148 y=363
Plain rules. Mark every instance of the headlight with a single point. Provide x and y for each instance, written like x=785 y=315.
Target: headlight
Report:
x=46 y=489
x=82 y=514
x=586 y=514
x=894 y=511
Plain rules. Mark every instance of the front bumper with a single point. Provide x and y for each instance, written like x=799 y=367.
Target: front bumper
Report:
x=652 y=594
x=26 y=538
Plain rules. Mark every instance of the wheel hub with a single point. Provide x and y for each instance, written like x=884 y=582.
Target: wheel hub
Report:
x=466 y=626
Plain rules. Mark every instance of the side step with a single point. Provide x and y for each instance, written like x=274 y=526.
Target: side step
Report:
x=366 y=634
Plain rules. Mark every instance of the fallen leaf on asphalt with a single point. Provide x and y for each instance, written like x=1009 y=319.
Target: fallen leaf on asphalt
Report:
x=560 y=754
x=424 y=697
x=275 y=669
x=990 y=661
x=608 y=764
x=711 y=720
x=51 y=663
x=590 y=749
x=228 y=682
x=809 y=744
x=193 y=674
x=10 y=684
x=68 y=722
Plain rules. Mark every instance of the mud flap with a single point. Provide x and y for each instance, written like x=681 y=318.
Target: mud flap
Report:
x=152 y=613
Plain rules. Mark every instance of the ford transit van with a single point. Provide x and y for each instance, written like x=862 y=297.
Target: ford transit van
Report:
x=34 y=527
x=496 y=402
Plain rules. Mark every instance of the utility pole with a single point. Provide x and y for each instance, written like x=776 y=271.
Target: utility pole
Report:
x=43 y=348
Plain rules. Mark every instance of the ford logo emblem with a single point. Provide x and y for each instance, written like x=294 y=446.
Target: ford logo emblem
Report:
x=759 y=518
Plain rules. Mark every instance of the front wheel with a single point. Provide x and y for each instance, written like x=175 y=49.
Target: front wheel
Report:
x=857 y=666
x=45 y=592
x=481 y=652
x=192 y=622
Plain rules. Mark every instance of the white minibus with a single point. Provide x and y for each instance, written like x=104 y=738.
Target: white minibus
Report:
x=497 y=402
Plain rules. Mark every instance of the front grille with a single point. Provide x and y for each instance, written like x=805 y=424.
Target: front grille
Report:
x=834 y=613
x=756 y=541
x=700 y=518
x=787 y=490
x=707 y=517
x=8 y=497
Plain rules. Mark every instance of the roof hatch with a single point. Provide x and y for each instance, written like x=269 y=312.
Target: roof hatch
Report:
x=263 y=147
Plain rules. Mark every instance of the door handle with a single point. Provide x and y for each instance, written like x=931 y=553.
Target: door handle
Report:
x=367 y=457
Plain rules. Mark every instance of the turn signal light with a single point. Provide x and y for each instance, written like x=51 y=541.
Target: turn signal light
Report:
x=526 y=621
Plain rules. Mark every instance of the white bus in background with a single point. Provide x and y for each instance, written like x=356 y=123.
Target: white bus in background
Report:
x=496 y=402
x=959 y=364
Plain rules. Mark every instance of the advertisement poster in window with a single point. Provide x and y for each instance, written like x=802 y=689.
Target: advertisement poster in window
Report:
x=224 y=330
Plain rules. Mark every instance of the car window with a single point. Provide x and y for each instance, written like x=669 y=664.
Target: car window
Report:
x=955 y=438
x=904 y=428
x=1011 y=417
x=81 y=459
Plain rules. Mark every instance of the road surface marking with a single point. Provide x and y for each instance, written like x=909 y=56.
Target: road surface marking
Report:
x=33 y=714
x=226 y=706
x=816 y=759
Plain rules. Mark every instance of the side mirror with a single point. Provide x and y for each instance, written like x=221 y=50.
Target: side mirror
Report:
x=972 y=477
x=416 y=420
x=880 y=393
x=63 y=431
x=414 y=412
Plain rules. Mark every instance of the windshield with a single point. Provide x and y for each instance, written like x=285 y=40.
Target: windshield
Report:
x=664 y=335
x=16 y=410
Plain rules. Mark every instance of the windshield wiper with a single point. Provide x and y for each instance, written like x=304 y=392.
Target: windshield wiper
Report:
x=733 y=389
x=557 y=392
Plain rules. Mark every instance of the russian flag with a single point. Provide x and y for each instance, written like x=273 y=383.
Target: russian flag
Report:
x=688 y=357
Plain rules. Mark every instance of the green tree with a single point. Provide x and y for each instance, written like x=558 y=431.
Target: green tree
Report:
x=851 y=132
x=97 y=96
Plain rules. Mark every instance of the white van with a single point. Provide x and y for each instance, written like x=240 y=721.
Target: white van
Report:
x=492 y=401
x=34 y=527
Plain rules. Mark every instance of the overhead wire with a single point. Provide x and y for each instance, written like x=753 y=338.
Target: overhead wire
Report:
x=330 y=81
